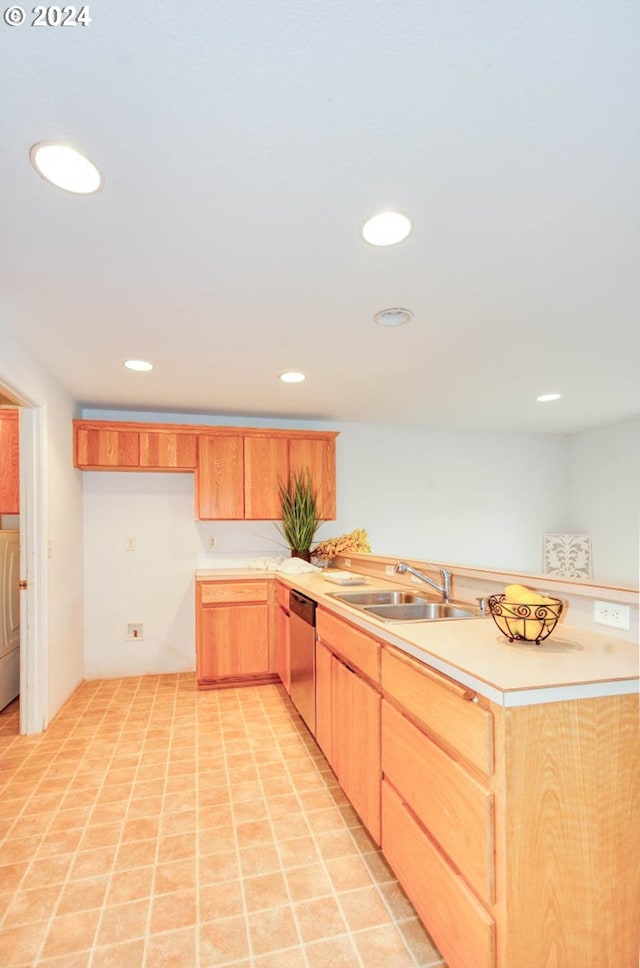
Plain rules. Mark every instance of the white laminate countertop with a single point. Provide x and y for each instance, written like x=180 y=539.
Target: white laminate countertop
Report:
x=570 y=664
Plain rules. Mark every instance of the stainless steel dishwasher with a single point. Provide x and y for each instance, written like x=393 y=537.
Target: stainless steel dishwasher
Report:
x=302 y=631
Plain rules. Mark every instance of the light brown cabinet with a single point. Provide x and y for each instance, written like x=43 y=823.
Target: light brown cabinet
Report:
x=348 y=710
x=319 y=455
x=510 y=828
x=9 y=461
x=233 y=633
x=266 y=464
x=117 y=446
x=106 y=448
x=238 y=471
x=283 y=652
x=219 y=483
x=242 y=480
x=165 y=450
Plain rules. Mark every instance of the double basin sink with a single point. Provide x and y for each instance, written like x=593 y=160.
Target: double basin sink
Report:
x=399 y=606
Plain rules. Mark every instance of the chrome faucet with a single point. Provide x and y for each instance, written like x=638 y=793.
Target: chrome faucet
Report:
x=444 y=588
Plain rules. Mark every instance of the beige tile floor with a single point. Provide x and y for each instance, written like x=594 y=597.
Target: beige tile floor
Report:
x=156 y=825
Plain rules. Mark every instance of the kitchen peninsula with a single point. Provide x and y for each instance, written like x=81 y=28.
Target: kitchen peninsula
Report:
x=501 y=779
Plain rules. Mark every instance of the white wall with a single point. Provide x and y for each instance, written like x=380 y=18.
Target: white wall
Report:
x=63 y=490
x=455 y=495
x=604 y=487
x=473 y=497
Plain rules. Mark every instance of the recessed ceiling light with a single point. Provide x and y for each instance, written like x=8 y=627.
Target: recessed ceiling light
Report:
x=393 y=317
x=387 y=228
x=66 y=168
x=292 y=377
x=140 y=365
x=548 y=397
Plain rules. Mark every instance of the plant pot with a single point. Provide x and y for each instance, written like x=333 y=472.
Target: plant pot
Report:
x=304 y=553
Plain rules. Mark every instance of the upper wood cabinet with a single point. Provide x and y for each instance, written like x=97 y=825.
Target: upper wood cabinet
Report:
x=220 y=478
x=164 y=450
x=105 y=446
x=266 y=464
x=9 y=461
x=319 y=455
x=238 y=470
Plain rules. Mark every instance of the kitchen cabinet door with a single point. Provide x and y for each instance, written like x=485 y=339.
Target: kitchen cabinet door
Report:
x=319 y=455
x=283 y=656
x=106 y=449
x=356 y=744
x=233 y=643
x=9 y=462
x=324 y=705
x=165 y=450
x=266 y=464
x=219 y=484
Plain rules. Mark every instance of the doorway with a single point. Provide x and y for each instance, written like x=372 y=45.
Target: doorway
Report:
x=32 y=558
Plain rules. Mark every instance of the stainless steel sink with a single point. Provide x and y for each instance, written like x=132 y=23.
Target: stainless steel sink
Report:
x=399 y=606
x=383 y=597
x=420 y=612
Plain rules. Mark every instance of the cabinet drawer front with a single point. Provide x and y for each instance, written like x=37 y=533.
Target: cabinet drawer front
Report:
x=442 y=706
x=462 y=929
x=239 y=591
x=456 y=810
x=355 y=647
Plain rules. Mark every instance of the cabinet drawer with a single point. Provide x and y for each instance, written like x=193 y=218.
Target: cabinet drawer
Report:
x=461 y=928
x=215 y=592
x=453 y=806
x=442 y=706
x=356 y=648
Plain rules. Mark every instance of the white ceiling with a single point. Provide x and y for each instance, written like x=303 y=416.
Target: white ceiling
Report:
x=244 y=143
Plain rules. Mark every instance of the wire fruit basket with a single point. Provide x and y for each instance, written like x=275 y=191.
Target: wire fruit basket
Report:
x=525 y=623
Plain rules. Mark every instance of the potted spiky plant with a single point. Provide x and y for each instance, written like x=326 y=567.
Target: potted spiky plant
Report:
x=299 y=506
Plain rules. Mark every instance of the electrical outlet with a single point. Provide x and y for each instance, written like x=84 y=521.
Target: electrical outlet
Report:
x=212 y=542
x=130 y=545
x=615 y=616
x=135 y=631
x=389 y=570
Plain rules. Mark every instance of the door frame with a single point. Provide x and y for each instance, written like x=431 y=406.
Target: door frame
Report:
x=33 y=557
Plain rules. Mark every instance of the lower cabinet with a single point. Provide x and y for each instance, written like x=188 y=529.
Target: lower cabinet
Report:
x=461 y=927
x=283 y=644
x=355 y=712
x=233 y=633
x=348 y=715
x=511 y=829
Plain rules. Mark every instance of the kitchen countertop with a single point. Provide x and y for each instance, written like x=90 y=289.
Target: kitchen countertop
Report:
x=570 y=664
